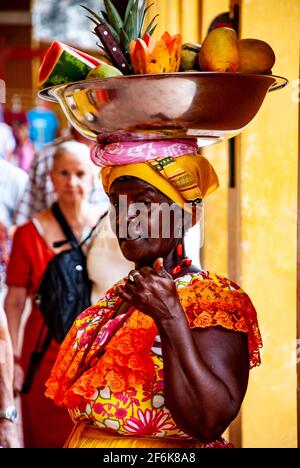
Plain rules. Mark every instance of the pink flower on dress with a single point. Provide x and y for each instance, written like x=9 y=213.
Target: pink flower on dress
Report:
x=108 y=329
x=219 y=443
x=98 y=408
x=149 y=422
x=121 y=413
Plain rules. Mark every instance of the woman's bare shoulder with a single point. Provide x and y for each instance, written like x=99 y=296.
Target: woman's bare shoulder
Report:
x=49 y=227
x=94 y=213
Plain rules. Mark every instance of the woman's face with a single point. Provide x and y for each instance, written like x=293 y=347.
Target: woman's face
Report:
x=72 y=177
x=143 y=220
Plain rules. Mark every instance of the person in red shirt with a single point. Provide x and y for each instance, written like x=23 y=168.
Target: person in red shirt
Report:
x=44 y=425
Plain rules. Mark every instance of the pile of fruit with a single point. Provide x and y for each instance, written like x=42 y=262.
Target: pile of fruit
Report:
x=222 y=51
x=127 y=47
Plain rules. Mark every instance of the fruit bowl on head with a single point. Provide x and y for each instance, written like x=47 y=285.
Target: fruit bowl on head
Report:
x=209 y=106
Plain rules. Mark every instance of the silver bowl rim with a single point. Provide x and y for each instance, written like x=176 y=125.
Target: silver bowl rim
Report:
x=279 y=81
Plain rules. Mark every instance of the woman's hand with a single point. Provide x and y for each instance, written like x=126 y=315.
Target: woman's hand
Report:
x=152 y=291
x=9 y=434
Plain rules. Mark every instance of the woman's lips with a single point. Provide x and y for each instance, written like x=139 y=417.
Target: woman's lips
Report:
x=133 y=238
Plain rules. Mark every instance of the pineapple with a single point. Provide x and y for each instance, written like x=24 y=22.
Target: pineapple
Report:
x=122 y=31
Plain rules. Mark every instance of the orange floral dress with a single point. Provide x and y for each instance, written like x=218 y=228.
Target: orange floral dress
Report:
x=120 y=392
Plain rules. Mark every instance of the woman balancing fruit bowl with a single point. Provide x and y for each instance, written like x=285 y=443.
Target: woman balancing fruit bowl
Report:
x=162 y=359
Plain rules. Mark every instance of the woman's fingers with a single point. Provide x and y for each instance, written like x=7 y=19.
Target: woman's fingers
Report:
x=133 y=276
x=159 y=269
x=123 y=293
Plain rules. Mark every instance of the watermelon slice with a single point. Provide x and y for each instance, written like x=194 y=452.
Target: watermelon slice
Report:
x=64 y=64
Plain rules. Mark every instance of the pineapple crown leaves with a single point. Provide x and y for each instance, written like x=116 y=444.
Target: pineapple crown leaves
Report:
x=101 y=19
x=127 y=29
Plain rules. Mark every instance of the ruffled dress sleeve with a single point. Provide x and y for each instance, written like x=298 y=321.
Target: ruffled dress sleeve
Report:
x=211 y=300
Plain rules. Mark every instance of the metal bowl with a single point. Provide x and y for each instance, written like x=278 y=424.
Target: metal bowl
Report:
x=209 y=106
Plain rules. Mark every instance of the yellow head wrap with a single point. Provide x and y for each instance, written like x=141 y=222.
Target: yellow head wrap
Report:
x=186 y=179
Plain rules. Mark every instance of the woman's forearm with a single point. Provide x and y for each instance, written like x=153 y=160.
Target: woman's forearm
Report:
x=6 y=364
x=14 y=306
x=199 y=401
x=8 y=429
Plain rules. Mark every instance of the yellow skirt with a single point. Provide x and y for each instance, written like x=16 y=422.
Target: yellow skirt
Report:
x=85 y=436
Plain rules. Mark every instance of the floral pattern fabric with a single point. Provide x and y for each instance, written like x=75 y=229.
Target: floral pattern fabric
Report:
x=106 y=372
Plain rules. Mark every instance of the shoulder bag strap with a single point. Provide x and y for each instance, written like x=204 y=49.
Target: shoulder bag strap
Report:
x=36 y=358
x=57 y=213
x=93 y=229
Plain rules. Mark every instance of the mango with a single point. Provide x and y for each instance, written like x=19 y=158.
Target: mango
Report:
x=256 y=56
x=189 y=56
x=219 y=51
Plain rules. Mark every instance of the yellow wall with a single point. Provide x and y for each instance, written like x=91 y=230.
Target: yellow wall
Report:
x=214 y=253
x=268 y=198
x=177 y=16
x=268 y=250
x=268 y=159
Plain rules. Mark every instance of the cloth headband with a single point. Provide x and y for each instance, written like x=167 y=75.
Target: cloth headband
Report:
x=122 y=153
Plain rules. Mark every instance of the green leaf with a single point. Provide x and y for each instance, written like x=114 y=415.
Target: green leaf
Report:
x=128 y=9
x=143 y=19
x=105 y=16
x=135 y=19
x=124 y=40
x=114 y=18
x=130 y=29
x=141 y=16
x=92 y=19
x=150 y=25
x=92 y=13
x=152 y=30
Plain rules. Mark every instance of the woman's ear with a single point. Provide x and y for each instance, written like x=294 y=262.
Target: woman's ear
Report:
x=194 y=217
x=179 y=222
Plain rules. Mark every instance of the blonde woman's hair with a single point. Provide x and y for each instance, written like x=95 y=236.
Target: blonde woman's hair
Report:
x=72 y=146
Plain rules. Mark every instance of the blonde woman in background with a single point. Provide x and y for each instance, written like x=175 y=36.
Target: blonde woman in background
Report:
x=45 y=425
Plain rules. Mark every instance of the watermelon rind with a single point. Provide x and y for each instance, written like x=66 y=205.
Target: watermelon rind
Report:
x=67 y=69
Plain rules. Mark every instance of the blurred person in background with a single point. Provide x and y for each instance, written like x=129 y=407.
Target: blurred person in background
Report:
x=39 y=192
x=43 y=124
x=8 y=428
x=15 y=116
x=12 y=185
x=72 y=175
x=15 y=113
x=7 y=141
x=24 y=151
